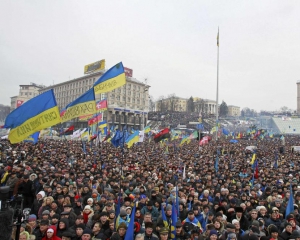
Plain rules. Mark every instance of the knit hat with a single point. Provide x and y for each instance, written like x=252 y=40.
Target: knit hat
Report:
x=42 y=193
x=46 y=212
x=123 y=213
x=87 y=207
x=32 y=217
x=168 y=207
x=213 y=232
x=87 y=231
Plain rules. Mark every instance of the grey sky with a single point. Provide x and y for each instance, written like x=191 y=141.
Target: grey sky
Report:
x=172 y=43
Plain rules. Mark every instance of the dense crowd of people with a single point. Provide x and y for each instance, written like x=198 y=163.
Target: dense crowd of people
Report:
x=72 y=195
x=173 y=119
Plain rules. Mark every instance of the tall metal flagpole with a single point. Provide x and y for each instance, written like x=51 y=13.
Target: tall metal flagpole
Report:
x=217 y=98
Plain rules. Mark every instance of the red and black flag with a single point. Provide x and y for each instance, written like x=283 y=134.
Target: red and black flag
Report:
x=165 y=133
x=68 y=131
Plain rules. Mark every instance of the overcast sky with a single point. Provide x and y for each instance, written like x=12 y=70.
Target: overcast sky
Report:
x=171 y=43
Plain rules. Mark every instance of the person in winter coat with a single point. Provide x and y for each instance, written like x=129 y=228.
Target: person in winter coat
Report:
x=63 y=226
x=37 y=203
x=286 y=233
x=51 y=234
x=150 y=208
x=87 y=213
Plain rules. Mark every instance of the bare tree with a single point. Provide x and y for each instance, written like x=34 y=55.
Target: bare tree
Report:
x=151 y=104
x=4 y=111
x=161 y=104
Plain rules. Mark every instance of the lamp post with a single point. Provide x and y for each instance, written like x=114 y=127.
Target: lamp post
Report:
x=144 y=105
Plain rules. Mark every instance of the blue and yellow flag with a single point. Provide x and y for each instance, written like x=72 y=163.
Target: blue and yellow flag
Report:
x=164 y=217
x=110 y=80
x=102 y=125
x=147 y=129
x=133 y=138
x=186 y=140
x=84 y=105
x=34 y=115
x=174 y=220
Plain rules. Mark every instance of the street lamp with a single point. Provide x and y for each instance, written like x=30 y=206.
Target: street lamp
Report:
x=144 y=105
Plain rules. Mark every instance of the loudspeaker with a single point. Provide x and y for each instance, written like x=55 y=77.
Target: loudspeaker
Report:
x=6 y=224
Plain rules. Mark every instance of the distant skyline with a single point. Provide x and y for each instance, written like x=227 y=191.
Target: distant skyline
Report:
x=170 y=43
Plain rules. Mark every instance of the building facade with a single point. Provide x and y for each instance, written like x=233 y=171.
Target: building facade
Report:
x=233 y=111
x=127 y=105
x=173 y=103
x=205 y=106
x=26 y=92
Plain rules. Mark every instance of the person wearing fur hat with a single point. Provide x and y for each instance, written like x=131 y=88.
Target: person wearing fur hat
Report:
x=121 y=232
x=148 y=234
x=238 y=214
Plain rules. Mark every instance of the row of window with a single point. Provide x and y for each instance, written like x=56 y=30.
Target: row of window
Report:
x=85 y=82
x=28 y=94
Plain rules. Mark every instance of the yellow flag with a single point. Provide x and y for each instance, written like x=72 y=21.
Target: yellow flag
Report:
x=253 y=159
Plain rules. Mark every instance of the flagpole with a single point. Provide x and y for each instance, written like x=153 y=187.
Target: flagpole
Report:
x=217 y=98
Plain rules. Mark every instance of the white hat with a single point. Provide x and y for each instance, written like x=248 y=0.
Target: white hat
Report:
x=87 y=207
x=234 y=221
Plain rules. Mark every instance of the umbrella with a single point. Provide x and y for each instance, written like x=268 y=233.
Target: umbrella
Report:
x=233 y=141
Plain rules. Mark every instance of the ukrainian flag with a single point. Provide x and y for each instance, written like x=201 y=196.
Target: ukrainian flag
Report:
x=34 y=115
x=147 y=129
x=102 y=125
x=85 y=134
x=133 y=138
x=186 y=140
x=84 y=105
x=164 y=218
x=110 y=80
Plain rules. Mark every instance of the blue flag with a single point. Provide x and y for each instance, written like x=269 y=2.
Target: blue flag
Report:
x=290 y=207
x=217 y=164
x=225 y=132
x=174 y=220
x=33 y=138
